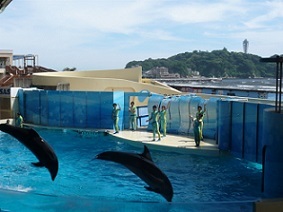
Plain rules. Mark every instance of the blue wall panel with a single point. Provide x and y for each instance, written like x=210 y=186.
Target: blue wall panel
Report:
x=44 y=108
x=80 y=111
x=210 y=119
x=250 y=131
x=224 y=110
x=273 y=160
x=174 y=121
x=118 y=98
x=21 y=100
x=155 y=99
x=27 y=108
x=32 y=105
x=261 y=130
x=126 y=118
x=127 y=98
x=54 y=108
x=66 y=108
x=237 y=129
x=186 y=122
x=93 y=108
x=106 y=101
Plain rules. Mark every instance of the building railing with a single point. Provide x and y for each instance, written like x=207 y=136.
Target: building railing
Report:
x=278 y=60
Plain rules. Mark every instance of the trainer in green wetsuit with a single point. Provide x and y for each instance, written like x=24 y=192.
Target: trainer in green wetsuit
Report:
x=163 y=120
x=19 y=120
x=115 y=117
x=197 y=129
x=133 y=116
x=154 y=118
x=202 y=113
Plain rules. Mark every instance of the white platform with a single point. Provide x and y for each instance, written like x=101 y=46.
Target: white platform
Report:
x=170 y=143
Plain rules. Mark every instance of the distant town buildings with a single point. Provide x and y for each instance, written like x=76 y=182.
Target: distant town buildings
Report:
x=245 y=46
x=160 y=72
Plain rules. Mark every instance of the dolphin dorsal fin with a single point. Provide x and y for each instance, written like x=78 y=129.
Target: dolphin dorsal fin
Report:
x=146 y=153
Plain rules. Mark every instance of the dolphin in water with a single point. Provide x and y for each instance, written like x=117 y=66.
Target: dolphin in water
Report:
x=40 y=148
x=143 y=166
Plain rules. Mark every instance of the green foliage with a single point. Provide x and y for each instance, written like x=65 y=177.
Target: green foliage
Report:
x=218 y=63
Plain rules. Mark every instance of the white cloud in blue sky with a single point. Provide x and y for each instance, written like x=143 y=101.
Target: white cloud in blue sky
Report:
x=106 y=34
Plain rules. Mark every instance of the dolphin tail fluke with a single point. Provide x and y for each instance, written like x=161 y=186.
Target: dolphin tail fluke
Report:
x=38 y=164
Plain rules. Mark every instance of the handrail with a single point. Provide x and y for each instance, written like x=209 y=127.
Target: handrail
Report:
x=278 y=60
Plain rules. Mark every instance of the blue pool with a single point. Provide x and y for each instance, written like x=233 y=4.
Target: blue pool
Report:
x=87 y=184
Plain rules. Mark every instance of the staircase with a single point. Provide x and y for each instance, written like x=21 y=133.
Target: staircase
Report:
x=7 y=81
x=21 y=77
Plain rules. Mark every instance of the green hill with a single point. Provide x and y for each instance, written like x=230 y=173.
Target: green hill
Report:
x=218 y=63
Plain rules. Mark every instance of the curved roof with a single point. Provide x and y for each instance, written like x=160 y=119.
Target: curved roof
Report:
x=128 y=80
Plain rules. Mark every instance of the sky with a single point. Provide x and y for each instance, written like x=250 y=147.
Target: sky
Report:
x=107 y=34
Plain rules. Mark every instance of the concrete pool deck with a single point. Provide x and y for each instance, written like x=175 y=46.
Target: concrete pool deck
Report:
x=184 y=144
x=171 y=143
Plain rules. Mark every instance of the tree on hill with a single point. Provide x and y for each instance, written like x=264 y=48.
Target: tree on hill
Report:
x=217 y=63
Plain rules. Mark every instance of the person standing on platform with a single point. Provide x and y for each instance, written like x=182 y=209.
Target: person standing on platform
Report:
x=163 y=120
x=133 y=116
x=197 y=124
x=154 y=118
x=19 y=120
x=115 y=117
x=202 y=113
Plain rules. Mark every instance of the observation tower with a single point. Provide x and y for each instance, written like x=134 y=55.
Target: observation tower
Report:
x=245 y=46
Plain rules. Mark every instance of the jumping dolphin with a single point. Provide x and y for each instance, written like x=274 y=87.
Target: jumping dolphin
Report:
x=40 y=148
x=143 y=166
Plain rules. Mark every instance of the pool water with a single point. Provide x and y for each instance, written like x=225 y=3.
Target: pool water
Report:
x=85 y=183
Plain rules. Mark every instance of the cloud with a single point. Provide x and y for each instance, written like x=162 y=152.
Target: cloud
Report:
x=270 y=16
x=104 y=16
x=90 y=34
x=197 y=13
